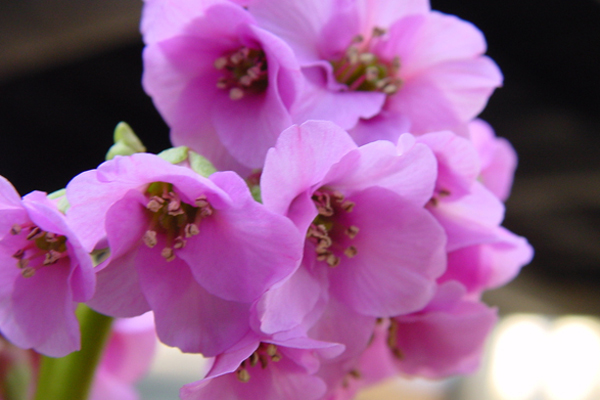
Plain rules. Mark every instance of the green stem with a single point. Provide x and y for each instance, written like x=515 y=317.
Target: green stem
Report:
x=71 y=377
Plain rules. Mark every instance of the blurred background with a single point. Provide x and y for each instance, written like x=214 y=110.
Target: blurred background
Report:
x=70 y=71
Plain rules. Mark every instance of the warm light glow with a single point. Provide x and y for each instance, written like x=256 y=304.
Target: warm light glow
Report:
x=573 y=359
x=518 y=357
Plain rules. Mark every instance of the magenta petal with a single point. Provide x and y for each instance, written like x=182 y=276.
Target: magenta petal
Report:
x=10 y=203
x=343 y=108
x=240 y=252
x=187 y=316
x=446 y=339
x=286 y=306
x=301 y=158
x=411 y=175
x=118 y=292
x=45 y=311
x=400 y=253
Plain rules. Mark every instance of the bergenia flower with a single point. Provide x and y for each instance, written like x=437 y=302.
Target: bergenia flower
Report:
x=127 y=357
x=224 y=85
x=197 y=251
x=482 y=254
x=265 y=369
x=397 y=65
x=445 y=338
x=362 y=211
x=45 y=272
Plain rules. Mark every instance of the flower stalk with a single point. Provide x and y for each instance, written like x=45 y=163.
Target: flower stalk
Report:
x=71 y=377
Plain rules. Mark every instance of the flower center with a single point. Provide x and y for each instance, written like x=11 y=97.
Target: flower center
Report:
x=41 y=249
x=360 y=69
x=265 y=353
x=329 y=231
x=171 y=217
x=244 y=72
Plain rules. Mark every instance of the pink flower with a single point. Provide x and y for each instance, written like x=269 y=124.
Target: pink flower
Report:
x=445 y=338
x=223 y=84
x=481 y=254
x=44 y=271
x=396 y=66
x=197 y=251
x=367 y=231
x=126 y=359
x=497 y=156
x=265 y=369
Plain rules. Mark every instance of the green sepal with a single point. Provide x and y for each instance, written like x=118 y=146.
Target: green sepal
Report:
x=200 y=164
x=63 y=204
x=174 y=155
x=126 y=142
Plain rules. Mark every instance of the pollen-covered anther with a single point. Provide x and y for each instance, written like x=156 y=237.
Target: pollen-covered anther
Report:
x=149 y=238
x=19 y=254
x=15 y=229
x=155 y=204
x=350 y=251
x=168 y=254
x=348 y=205
x=22 y=263
x=236 y=93
x=28 y=272
x=179 y=243
x=351 y=232
x=35 y=233
x=243 y=375
x=191 y=230
x=392 y=340
x=52 y=256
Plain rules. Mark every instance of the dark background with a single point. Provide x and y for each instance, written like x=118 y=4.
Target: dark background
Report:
x=70 y=71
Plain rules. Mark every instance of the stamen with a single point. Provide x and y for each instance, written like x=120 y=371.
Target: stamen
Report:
x=19 y=254
x=179 y=243
x=191 y=230
x=351 y=232
x=236 y=93
x=28 y=272
x=15 y=229
x=243 y=375
x=22 y=263
x=35 y=233
x=52 y=256
x=149 y=238
x=350 y=251
x=348 y=205
x=155 y=203
x=271 y=349
x=220 y=63
x=168 y=254
x=377 y=32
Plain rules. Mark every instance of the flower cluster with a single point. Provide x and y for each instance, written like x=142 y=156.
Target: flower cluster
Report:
x=349 y=233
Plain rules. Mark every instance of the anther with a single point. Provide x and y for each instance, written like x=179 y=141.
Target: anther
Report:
x=22 y=263
x=201 y=201
x=168 y=254
x=352 y=232
x=371 y=74
x=179 y=243
x=15 y=229
x=28 y=272
x=52 y=256
x=350 y=251
x=377 y=32
x=19 y=254
x=390 y=89
x=149 y=238
x=348 y=205
x=243 y=375
x=51 y=237
x=191 y=230
x=236 y=93
x=35 y=233
x=366 y=58
x=354 y=373
x=155 y=203
x=333 y=260
x=271 y=349
x=220 y=63
x=254 y=358
x=358 y=38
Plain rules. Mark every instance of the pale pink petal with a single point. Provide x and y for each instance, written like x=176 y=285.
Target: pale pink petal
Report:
x=342 y=107
x=187 y=316
x=383 y=14
x=400 y=253
x=301 y=159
